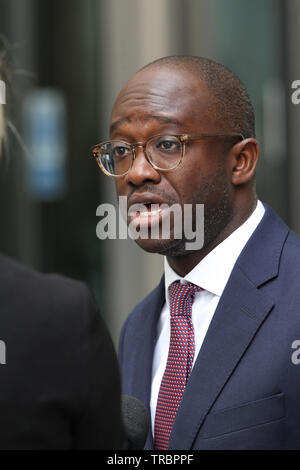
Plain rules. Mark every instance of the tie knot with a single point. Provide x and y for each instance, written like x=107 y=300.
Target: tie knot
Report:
x=182 y=297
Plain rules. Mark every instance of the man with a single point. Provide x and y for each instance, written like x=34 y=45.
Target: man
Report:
x=59 y=377
x=210 y=350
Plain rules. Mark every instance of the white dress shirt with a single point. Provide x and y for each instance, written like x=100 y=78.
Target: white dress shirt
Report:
x=211 y=274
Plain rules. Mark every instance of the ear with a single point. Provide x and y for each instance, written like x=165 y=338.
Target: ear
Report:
x=244 y=160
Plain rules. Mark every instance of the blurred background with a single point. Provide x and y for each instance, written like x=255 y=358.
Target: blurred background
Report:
x=69 y=59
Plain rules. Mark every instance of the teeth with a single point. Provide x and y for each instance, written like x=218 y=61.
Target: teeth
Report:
x=148 y=213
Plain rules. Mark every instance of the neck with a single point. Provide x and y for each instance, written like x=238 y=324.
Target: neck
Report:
x=183 y=264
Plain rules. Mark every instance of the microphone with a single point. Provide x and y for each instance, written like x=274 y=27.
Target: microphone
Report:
x=136 y=423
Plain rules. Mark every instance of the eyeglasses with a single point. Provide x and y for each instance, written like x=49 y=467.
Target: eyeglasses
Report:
x=164 y=152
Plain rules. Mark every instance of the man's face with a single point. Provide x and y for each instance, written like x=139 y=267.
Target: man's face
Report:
x=169 y=101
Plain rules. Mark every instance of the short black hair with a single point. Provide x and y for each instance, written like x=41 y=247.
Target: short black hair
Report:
x=233 y=105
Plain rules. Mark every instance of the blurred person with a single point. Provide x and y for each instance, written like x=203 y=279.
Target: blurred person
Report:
x=59 y=376
x=213 y=349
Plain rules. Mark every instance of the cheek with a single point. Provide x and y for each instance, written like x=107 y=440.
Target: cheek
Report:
x=204 y=163
x=207 y=168
x=204 y=185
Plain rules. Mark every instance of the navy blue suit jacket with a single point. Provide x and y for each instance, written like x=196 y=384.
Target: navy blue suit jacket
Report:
x=244 y=390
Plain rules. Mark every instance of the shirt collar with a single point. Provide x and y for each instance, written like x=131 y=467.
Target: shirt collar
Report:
x=213 y=271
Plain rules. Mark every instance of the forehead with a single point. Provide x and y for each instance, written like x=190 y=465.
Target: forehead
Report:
x=164 y=95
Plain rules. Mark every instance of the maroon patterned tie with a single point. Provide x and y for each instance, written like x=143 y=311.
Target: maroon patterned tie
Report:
x=179 y=363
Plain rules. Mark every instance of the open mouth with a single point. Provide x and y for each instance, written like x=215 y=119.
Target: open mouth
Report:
x=149 y=212
x=145 y=214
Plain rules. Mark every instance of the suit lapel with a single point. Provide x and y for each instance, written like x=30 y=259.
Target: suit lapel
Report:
x=240 y=312
x=144 y=348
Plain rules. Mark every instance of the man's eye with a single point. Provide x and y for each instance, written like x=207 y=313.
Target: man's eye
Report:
x=168 y=145
x=121 y=151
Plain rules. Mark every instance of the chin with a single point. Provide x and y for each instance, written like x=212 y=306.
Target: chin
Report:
x=173 y=247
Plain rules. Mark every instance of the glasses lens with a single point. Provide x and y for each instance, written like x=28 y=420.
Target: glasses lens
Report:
x=115 y=157
x=165 y=151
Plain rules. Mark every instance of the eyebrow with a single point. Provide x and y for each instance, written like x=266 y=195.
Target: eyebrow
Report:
x=163 y=119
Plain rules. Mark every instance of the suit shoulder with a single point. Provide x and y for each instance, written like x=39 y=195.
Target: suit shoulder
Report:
x=290 y=259
x=293 y=241
x=22 y=287
x=15 y=271
x=291 y=252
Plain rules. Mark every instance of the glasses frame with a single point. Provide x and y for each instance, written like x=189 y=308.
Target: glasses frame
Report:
x=183 y=139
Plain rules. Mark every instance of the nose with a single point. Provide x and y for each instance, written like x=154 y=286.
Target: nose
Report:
x=141 y=171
